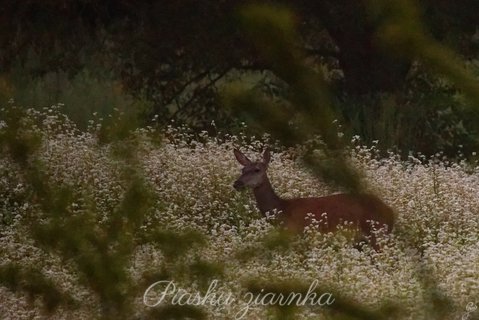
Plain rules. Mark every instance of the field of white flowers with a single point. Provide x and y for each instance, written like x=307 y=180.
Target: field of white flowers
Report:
x=431 y=260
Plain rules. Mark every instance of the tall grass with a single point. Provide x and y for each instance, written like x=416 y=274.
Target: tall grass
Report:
x=93 y=91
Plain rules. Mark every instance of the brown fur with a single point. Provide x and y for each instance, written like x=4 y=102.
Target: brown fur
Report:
x=333 y=210
x=330 y=211
x=337 y=208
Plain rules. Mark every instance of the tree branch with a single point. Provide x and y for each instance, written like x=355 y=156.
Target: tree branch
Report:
x=323 y=52
x=196 y=78
x=197 y=92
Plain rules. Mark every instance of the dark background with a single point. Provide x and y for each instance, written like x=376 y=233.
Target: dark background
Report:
x=172 y=59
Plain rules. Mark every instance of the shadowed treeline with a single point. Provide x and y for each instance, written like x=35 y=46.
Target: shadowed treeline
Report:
x=173 y=59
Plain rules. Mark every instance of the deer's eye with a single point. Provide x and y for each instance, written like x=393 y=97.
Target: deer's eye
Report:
x=257 y=170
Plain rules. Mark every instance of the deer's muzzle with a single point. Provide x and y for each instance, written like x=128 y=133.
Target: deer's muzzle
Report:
x=238 y=185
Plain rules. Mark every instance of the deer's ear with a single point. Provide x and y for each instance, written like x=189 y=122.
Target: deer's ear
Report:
x=266 y=156
x=241 y=158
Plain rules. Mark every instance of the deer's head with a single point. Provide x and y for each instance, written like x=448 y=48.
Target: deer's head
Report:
x=253 y=174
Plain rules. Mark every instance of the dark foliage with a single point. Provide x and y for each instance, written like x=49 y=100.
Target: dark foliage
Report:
x=175 y=52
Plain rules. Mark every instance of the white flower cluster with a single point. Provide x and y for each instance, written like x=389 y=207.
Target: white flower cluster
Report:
x=436 y=235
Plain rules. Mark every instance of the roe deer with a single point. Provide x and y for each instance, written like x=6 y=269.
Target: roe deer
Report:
x=358 y=209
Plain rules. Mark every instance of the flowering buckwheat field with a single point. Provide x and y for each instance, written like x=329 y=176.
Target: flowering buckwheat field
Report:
x=198 y=232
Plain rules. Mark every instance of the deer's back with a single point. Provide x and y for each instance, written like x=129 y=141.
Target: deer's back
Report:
x=336 y=209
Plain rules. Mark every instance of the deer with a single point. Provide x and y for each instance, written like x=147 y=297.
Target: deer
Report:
x=363 y=212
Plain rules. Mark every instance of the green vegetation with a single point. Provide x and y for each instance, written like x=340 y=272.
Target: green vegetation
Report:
x=87 y=225
x=118 y=180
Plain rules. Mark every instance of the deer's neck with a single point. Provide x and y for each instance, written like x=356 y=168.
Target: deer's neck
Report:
x=266 y=198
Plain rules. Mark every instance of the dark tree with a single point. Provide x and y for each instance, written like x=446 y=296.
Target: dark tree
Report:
x=175 y=52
